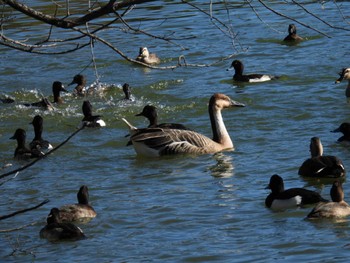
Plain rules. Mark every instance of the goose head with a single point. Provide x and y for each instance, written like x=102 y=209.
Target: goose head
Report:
x=221 y=101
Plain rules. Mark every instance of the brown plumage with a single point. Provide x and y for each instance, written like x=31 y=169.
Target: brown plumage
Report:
x=338 y=208
x=292 y=34
x=146 y=57
x=56 y=230
x=159 y=141
x=82 y=211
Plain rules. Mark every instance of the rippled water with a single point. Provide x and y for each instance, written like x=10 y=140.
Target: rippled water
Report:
x=182 y=209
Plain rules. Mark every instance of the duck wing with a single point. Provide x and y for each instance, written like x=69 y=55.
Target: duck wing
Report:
x=322 y=166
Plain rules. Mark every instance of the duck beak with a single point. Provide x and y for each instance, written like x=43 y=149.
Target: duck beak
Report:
x=336 y=130
x=268 y=187
x=338 y=80
x=139 y=114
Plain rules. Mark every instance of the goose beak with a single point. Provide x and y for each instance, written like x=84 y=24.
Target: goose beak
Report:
x=268 y=187
x=336 y=130
x=236 y=104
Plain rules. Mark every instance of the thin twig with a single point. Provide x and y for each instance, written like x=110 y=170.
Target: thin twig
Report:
x=18 y=228
x=5 y=181
x=317 y=17
x=293 y=19
x=24 y=210
x=41 y=157
x=258 y=16
x=93 y=55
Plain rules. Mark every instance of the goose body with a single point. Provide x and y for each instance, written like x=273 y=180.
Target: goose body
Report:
x=90 y=120
x=344 y=128
x=279 y=198
x=319 y=165
x=292 y=34
x=81 y=211
x=150 y=112
x=38 y=142
x=21 y=151
x=345 y=75
x=160 y=141
x=238 y=66
x=338 y=208
x=56 y=230
x=146 y=57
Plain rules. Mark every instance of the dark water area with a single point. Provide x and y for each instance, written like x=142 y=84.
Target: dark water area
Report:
x=207 y=208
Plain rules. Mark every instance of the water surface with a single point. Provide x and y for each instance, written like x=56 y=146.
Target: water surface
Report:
x=181 y=209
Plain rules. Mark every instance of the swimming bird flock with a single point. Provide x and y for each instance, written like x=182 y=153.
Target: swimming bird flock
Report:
x=158 y=139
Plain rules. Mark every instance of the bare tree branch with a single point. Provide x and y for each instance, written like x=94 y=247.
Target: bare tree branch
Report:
x=41 y=157
x=24 y=210
x=290 y=18
x=108 y=8
x=317 y=17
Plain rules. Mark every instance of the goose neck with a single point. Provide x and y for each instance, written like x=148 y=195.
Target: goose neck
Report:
x=220 y=134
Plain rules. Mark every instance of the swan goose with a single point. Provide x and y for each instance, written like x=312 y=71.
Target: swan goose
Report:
x=153 y=142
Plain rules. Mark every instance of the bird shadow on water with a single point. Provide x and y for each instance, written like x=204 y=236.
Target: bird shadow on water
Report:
x=320 y=183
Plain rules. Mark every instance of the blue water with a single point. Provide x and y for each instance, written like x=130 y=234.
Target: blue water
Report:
x=181 y=209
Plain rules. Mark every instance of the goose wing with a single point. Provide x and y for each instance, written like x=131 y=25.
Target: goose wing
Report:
x=171 y=141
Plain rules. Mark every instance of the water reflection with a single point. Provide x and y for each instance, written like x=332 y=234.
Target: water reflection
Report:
x=224 y=167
